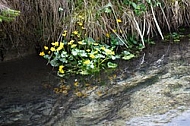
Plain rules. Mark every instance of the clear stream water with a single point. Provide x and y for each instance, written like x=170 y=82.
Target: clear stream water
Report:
x=152 y=90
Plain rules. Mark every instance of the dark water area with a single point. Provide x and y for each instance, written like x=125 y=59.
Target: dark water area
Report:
x=25 y=90
x=160 y=75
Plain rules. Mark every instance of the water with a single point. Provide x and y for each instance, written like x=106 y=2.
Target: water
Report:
x=152 y=90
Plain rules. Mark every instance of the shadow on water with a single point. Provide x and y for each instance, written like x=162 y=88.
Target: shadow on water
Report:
x=26 y=92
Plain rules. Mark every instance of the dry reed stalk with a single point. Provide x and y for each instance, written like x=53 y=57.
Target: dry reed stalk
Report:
x=41 y=19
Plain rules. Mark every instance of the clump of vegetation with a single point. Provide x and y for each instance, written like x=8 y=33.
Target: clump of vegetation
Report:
x=81 y=54
x=44 y=20
x=94 y=33
x=7 y=14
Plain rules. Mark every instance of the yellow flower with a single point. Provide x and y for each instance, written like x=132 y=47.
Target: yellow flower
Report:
x=75 y=32
x=55 y=43
x=107 y=35
x=92 y=56
x=83 y=28
x=45 y=47
x=71 y=42
x=80 y=42
x=86 y=62
x=103 y=48
x=95 y=52
x=64 y=34
x=42 y=54
x=61 y=69
x=81 y=17
x=52 y=49
x=88 y=50
x=61 y=46
x=73 y=45
x=80 y=23
x=119 y=20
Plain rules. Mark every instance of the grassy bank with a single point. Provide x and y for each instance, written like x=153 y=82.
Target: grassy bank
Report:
x=47 y=19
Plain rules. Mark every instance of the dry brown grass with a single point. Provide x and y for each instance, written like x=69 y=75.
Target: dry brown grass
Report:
x=41 y=21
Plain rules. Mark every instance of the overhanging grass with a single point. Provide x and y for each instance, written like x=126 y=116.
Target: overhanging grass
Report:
x=43 y=20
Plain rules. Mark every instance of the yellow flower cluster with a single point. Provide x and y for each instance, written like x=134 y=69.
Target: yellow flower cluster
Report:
x=61 y=46
x=56 y=46
x=79 y=23
x=81 y=17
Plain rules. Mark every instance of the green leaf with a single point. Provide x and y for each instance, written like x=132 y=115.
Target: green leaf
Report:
x=134 y=5
x=126 y=53
x=82 y=53
x=90 y=41
x=54 y=63
x=60 y=75
x=128 y=57
x=115 y=57
x=84 y=72
x=111 y=65
x=99 y=56
x=47 y=57
x=64 y=54
x=107 y=10
x=63 y=60
x=75 y=52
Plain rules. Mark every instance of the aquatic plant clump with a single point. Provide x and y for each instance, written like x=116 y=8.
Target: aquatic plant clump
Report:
x=79 y=57
x=81 y=54
x=82 y=57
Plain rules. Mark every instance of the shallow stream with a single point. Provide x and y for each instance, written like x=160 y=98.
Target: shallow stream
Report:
x=152 y=90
